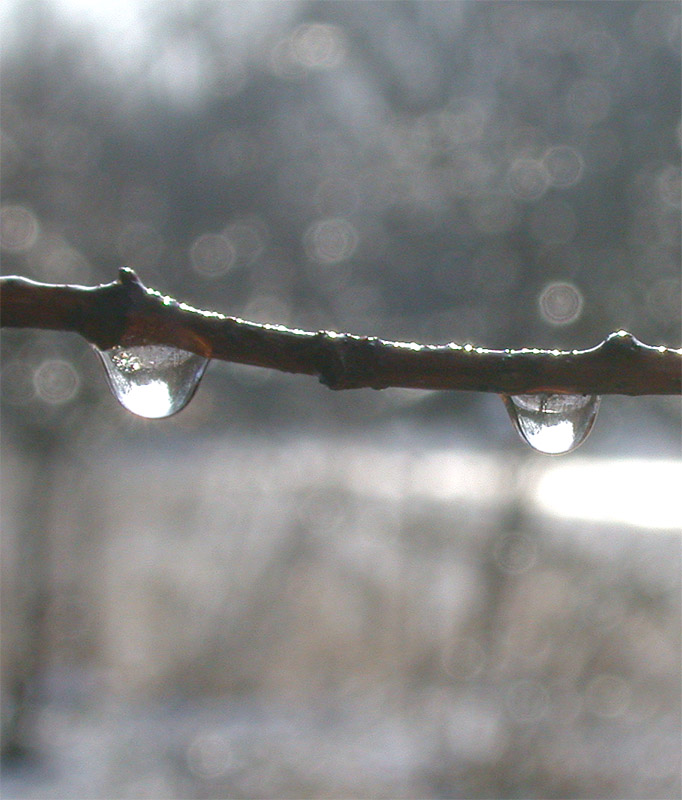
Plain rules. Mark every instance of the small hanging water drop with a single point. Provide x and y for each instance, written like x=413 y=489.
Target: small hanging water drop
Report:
x=152 y=381
x=553 y=423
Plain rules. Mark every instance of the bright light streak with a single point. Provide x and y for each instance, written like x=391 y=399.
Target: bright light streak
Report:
x=639 y=492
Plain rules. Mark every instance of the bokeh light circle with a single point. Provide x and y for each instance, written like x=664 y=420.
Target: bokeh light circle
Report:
x=331 y=240
x=18 y=228
x=560 y=303
x=212 y=254
x=56 y=381
x=564 y=164
x=318 y=45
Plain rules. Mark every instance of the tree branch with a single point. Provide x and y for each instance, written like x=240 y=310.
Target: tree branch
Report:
x=127 y=313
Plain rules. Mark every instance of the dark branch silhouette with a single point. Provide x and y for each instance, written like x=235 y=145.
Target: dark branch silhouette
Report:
x=127 y=313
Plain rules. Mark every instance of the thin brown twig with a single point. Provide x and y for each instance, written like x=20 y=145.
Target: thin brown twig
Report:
x=127 y=313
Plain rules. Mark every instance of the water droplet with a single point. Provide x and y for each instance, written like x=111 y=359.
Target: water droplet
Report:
x=152 y=381
x=553 y=423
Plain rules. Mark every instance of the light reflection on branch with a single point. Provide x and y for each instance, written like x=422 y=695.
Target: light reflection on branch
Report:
x=126 y=312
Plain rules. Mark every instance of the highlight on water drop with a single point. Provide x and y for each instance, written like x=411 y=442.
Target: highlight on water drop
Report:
x=152 y=381
x=552 y=423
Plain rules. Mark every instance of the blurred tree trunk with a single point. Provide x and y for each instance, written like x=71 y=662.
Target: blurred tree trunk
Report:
x=33 y=587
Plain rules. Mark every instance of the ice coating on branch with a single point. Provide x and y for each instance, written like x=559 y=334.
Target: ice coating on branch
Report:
x=152 y=381
x=553 y=423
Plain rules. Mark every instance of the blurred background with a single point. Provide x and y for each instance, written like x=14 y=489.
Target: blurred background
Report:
x=287 y=592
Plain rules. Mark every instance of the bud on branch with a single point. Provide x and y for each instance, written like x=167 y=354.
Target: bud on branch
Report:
x=127 y=313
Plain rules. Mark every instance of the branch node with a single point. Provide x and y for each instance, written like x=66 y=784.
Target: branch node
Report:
x=621 y=342
x=330 y=359
x=128 y=277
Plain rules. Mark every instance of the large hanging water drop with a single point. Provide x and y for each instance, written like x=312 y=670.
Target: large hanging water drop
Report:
x=553 y=423
x=152 y=381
